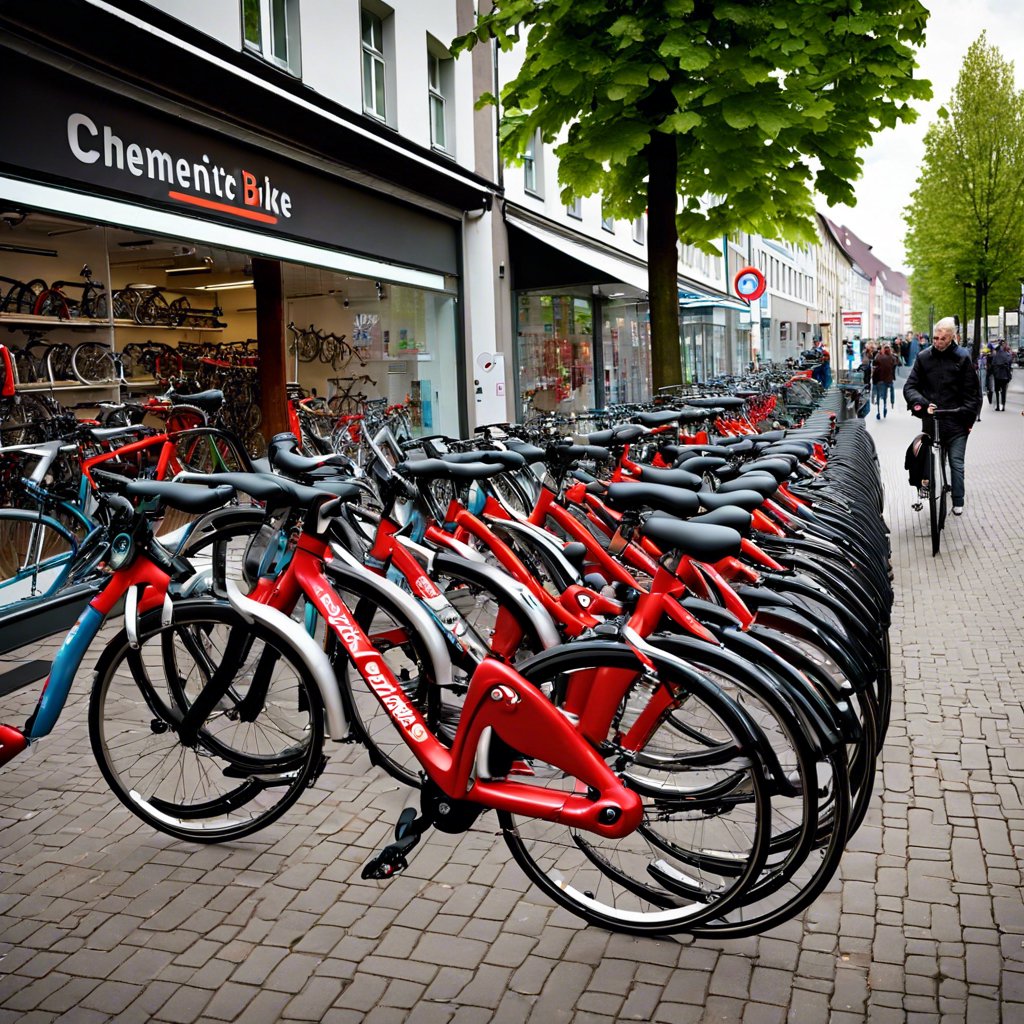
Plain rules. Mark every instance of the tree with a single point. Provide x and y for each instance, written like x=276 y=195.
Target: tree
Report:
x=740 y=109
x=965 y=222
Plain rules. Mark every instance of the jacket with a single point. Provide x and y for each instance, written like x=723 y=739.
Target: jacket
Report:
x=948 y=380
x=884 y=369
x=1001 y=365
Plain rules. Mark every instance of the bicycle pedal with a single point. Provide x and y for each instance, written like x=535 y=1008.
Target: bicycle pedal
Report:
x=390 y=860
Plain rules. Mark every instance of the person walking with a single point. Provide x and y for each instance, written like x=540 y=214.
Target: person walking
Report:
x=943 y=380
x=1001 y=368
x=883 y=376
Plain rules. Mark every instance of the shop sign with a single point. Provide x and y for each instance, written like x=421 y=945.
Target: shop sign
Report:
x=851 y=319
x=67 y=131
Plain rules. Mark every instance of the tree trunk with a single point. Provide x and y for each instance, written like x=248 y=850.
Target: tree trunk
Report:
x=662 y=261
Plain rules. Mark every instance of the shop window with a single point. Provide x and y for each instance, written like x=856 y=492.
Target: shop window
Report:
x=533 y=175
x=440 y=79
x=575 y=209
x=375 y=80
x=271 y=29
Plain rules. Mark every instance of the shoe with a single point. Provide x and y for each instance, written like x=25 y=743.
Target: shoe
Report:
x=886 y=413
x=878 y=415
x=958 y=510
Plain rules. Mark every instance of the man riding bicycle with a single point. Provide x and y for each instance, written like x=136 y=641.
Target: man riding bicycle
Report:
x=943 y=378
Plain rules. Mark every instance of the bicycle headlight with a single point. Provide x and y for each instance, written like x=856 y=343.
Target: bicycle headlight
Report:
x=121 y=550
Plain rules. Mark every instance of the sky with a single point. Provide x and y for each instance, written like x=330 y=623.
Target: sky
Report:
x=891 y=164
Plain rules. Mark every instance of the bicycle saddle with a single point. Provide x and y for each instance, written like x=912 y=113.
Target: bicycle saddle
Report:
x=181 y=496
x=780 y=468
x=624 y=433
x=682 y=452
x=637 y=497
x=209 y=401
x=735 y=518
x=434 y=469
x=703 y=541
x=283 y=455
x=530 y=452
x=489 y=456
x=657 y=419
x=670 y=477
x=765 y=484
x=717 y=402
x=745 y=499
x=693 y=415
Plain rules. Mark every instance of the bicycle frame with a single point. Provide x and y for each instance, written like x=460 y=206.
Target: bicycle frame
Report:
x=498 y=699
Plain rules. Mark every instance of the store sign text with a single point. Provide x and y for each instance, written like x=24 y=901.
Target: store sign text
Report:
x=198 y=183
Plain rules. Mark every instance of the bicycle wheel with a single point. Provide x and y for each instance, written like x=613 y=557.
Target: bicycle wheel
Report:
x=945 y=489
x=28 y=296
x=254 y=752
x=309 y=346
x=36 y=553
x=93 y=363
x=935 y=496
x=52 y=302
x=23 y=421
x=707 y=813
x=406 y=655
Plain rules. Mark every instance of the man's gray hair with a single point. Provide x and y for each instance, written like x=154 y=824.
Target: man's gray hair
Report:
x=947 y=323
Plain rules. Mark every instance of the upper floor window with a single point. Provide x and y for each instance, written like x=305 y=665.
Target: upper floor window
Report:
x=374 y=67
x=532 y=171
x=575 y=208
x=440 y=80
x=607 y=222
x=271 y=28
x=639 y=227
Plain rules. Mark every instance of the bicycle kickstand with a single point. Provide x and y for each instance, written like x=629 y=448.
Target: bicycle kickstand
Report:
x=392 y=858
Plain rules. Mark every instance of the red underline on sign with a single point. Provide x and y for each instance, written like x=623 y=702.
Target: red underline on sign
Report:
x=210 y=204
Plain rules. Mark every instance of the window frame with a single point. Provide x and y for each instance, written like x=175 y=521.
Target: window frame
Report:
x=607 y=222
x=533 y=165
x=575 y=210
x=267 y=24
x=375 y=52
x=640 y=230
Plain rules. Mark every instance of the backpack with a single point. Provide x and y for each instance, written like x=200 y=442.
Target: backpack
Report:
x=916 y=461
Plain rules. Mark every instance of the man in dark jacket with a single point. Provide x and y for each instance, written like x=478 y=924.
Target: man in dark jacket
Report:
x=1000 y=368
x=943 y=377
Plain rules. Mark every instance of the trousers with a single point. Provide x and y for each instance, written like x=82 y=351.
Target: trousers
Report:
x=955 y=450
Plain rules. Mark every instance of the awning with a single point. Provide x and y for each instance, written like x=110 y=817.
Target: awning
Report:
x=564 y=259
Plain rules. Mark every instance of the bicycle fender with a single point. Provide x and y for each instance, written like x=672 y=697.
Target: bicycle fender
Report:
x=307 y=649
x=515 y=592
x=347 y=566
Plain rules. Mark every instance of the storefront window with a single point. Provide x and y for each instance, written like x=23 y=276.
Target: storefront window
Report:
x=556 y=360
x=404 y=342
x=626 y=337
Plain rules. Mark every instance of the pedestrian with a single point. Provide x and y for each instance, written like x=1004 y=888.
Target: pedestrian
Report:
x=883 y=374
x=915 y=347
x=1001 y=369
x=943 y=378
x=984 y=378
x=905 y=348
x=866 y=356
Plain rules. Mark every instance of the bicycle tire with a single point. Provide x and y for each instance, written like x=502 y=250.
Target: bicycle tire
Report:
x=37 y=552
x=309 y=346
x=944 y=492
x=28 y=296
x=52 y=302
x=810 y=803
x=408 y=659
x=23 y=420
x=93 y=363
x=628 y=884
x=240 y=775
x=934 y=491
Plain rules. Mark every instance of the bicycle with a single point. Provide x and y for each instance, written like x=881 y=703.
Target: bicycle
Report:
x=20 y=297
x=938 y=496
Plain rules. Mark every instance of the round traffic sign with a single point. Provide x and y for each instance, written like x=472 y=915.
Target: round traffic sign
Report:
x=749 y=283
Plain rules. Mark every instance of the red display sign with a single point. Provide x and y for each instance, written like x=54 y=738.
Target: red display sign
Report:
x=851 y=319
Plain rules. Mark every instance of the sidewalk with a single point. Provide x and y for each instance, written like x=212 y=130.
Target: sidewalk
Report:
x=101 y=919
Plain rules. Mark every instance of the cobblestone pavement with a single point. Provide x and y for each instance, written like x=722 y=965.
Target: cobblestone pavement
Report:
x=101 y=919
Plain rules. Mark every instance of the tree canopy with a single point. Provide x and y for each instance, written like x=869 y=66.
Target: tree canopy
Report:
x=740 y=109
x=965 y=221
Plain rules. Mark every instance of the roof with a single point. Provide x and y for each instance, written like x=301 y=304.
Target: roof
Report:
x=864 y=259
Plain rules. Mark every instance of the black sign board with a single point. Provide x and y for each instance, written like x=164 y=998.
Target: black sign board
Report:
x=67 y=131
